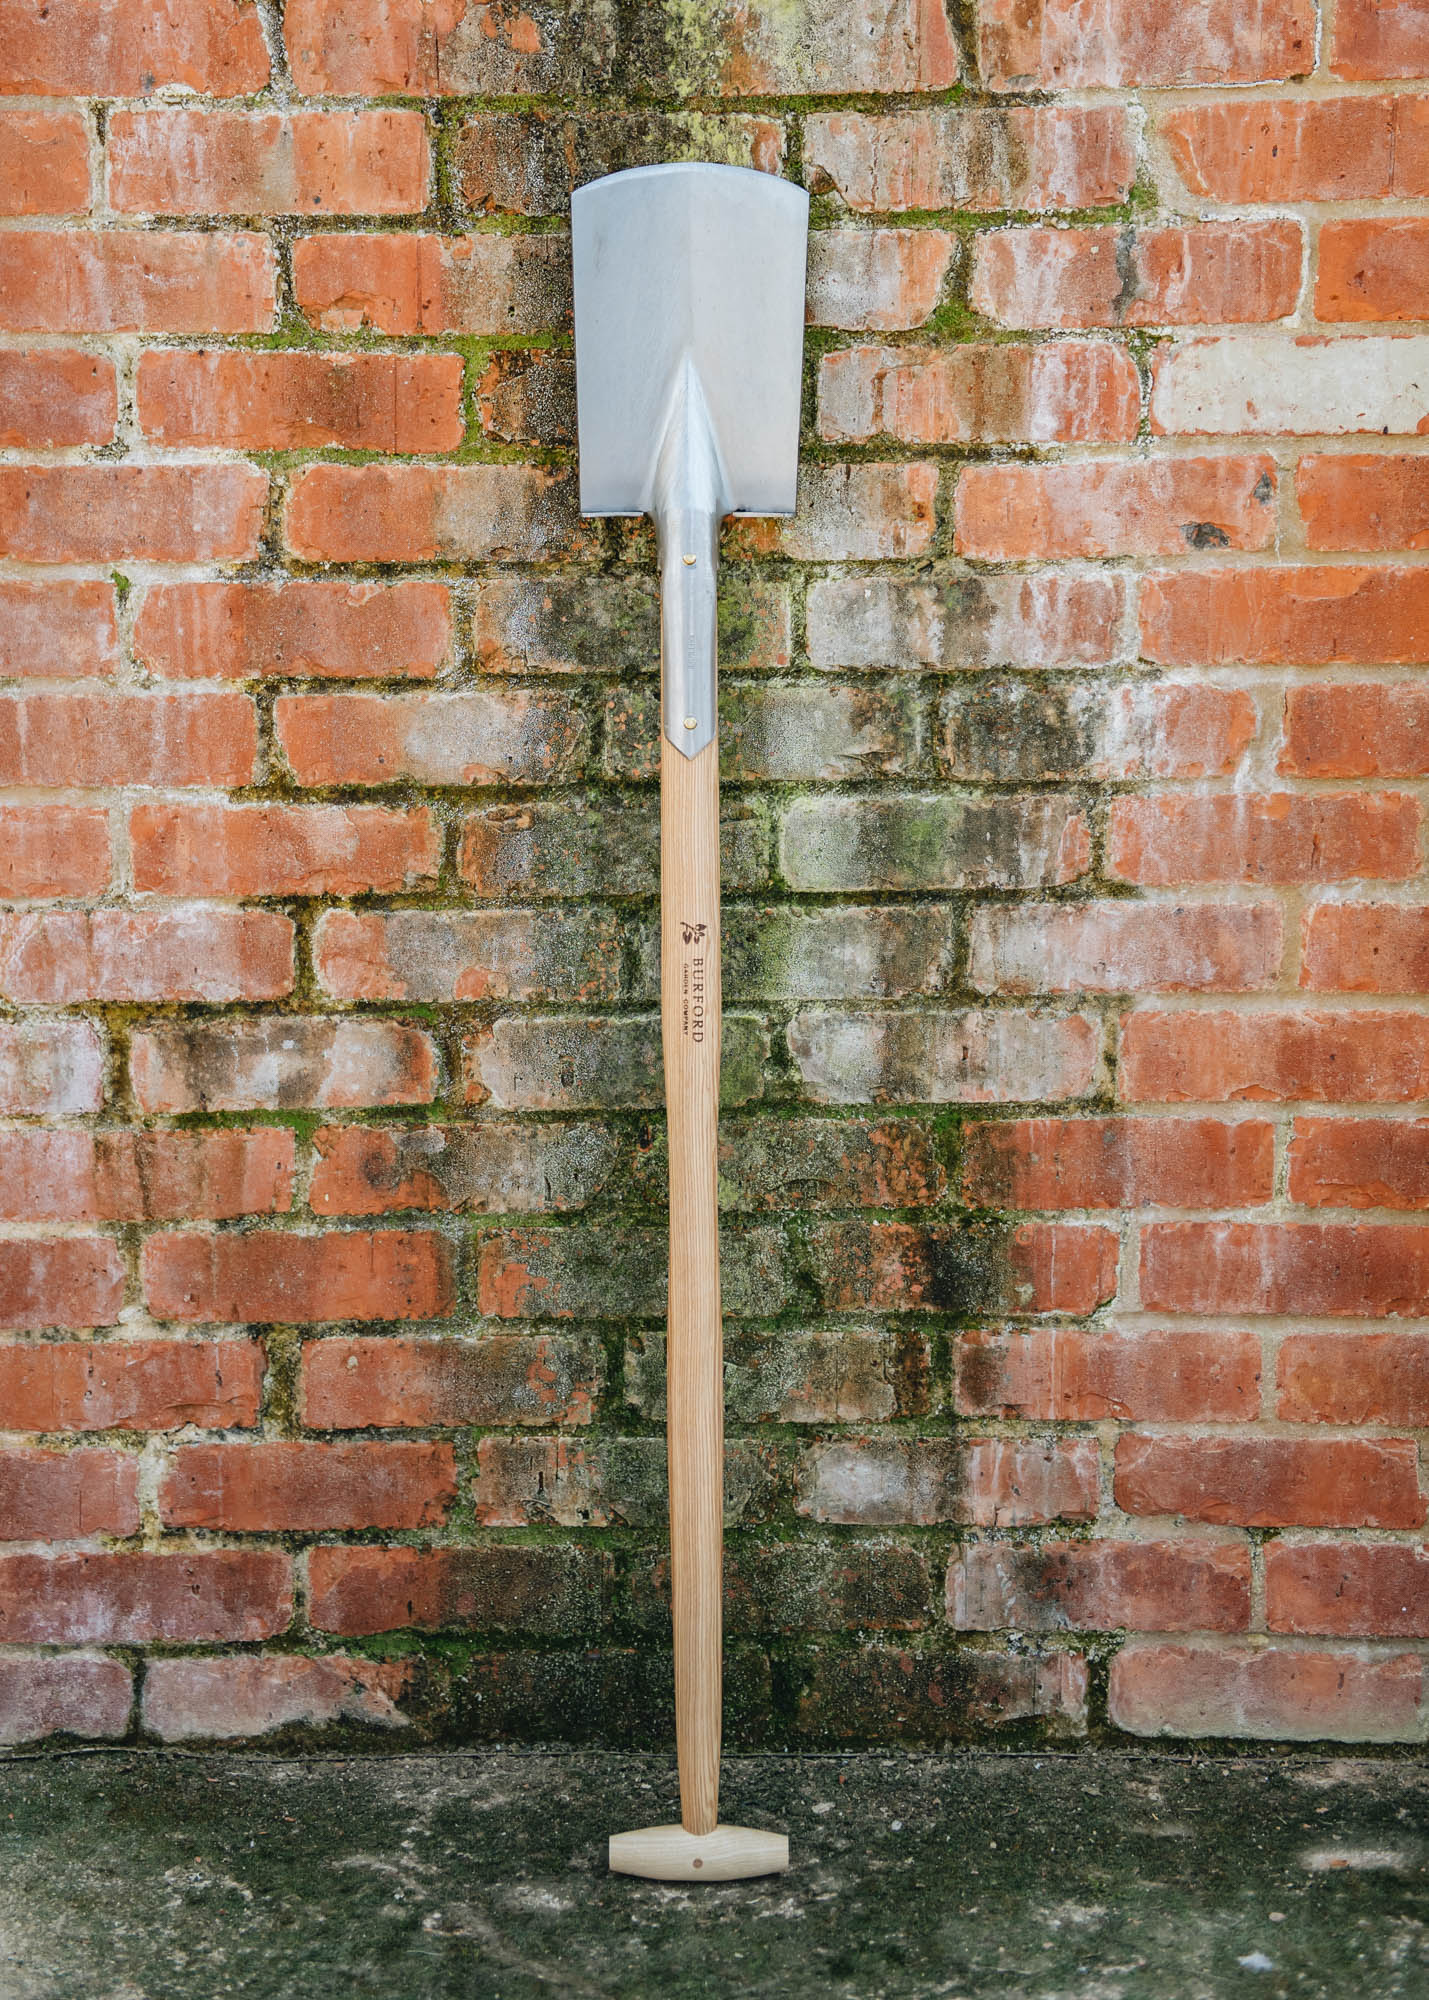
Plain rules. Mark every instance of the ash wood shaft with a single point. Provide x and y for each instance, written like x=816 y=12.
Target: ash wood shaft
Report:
x=690 y=1026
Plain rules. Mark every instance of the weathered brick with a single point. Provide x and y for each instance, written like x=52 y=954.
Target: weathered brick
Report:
x=195 y=952
x=127 y=739
x=280 y=401
x=570 y=1064
x=114 y=1176
x=50 y=1067
x=505 y=1379
x=1060 y=392
x=877 y=280
x=55 y=396
x=241 y=1487
x=64 y=1496
x=1265 y=1692
x=130 y=1385
x=881 y=1694
x=885 y=1482
x=481 y=737
x=794 y=1588
x=528 y=396
x=966 y=620
x=806 y=1163
x=611 y=624
x=354 y=162
x=145 y=513
x=332 y=631
x=530 y=162
x=593 y=1273
x=70 y=1694
x=1257 y=837
x=44 y=163
x=254 y=1694
x=1380 y=1590
x=1326 y=1058
x=64 y=629
x=1366 y=948
x=273 y=850
x=931 y=841
x=1012 y=731
x=1316 y=1269
x=1125 y=947
x=197 y=1276
x=101 y=48
x=1268 y=384
x=1047 y=157
x=838 y=953
x=614 y=1482
x=1010 y=513
x=64 y=1281
x=784 y=731
x=1375 y=38
x=131 y=281
x=1354 y=1378
x=1272 y=1481
x=1100 y=1586
x=1119 y=1162
x=1302 y=149
x=562 y=848
x=404 y=284
x=427 y=955
x=1367 y=729
x=962 y=1268
x=414 y=513
x=1048 y=44
x=1374 y=268
x=1360 y=1163
x=849 y=513
x=280 y=1062
x=499 y=1588
x=53 y=851
x=1202 y=274
x=847 y=1377
x=1352 y=501
x=990 y=1057
x=1059 y=1373
x=202 y=1597
x=487 y=1169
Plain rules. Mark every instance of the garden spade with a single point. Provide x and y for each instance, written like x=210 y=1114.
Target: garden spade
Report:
x=689 y=319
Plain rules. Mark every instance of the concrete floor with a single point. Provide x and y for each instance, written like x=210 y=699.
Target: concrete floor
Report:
x=136 y=1876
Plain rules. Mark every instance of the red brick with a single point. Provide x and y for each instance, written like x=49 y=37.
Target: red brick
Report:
x=503 y=1378
x=1327 y=1058
x=332 y=631
x=65 y=1281
x=1118 y=1162
x=63 y=629
x=357 y=1274
x=986 y=1482
x=242 y=1487
x=140 y=513
x=1034 y=158
x=1272 y=1482
x=133 y=281
x=202 y=1597
x=877 y=280
x=404 y=284
x=529 y=162
x=103 y=48
x=105 y=1176
x=1378 y=1590
x=130 y=1385
x=1060 y=1373
x=193 y=953
x=1302 y=149
x=127 y=739
x=1286 y=617
x=1315 y=1269
x=1100 y=1587
x=1061 y=392
x=849 y=513
x=1356 y=500
x=63 y=1496
x=1367 y=730
x=500 y=1586
x=1360 y=1163
x=1366 y=948
x=296 y=402
x=902 y=1267
x=1118 y=947
x=1257 y=837
x=1265 y=1693
x=44 y=162
x=53 y=851
x=355 y=162
x=437 y=955
x=254 y=1694
x=55 y=396
x=1050 y=44
x=74 y=1694
x=1375 y=38
x=484 y=737
x=1373 y=268
x=1010 y=513
x=1203 y=274
x=487 y=1168
x=603 y=1272
x=1354 y=1378
x=417 y=513
x=49 y=1067
x=281 y=1062
x=273 y=850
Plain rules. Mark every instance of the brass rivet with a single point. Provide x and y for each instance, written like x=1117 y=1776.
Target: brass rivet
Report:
x=692 y=722
x=689 y=562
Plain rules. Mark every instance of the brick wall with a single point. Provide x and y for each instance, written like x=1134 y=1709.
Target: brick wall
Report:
x=1074 y=743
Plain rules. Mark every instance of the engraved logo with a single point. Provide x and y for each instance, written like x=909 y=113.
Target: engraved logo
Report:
x=692 y=933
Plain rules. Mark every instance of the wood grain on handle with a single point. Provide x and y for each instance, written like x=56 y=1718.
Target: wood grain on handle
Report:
x=690 y=1025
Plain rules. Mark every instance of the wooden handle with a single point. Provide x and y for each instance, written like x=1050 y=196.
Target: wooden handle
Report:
x=690 y=1026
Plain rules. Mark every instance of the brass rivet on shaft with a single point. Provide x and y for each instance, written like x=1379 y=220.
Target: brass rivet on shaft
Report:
x=689 y=562
x=692 y=722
